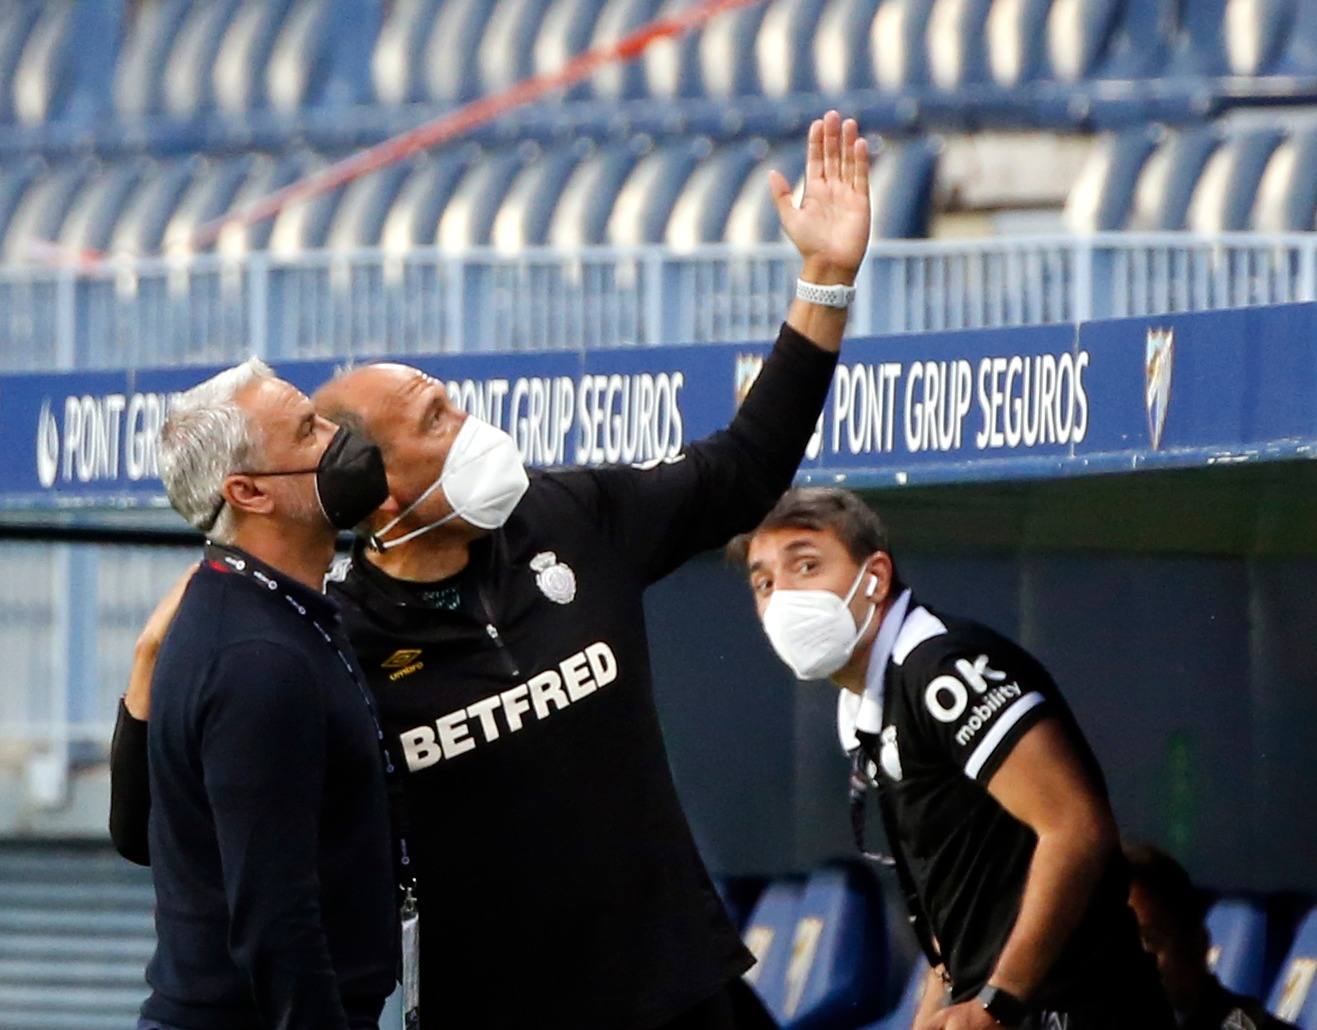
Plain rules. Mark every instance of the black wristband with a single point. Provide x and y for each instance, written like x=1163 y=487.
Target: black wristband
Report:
x=1001 y=1005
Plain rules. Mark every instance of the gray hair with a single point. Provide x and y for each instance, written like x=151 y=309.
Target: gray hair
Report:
x=205 y=439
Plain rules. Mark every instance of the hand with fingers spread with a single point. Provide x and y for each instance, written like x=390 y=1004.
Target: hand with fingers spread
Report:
x=830 y=228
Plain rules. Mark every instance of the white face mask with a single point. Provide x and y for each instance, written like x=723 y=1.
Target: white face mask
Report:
x=813 y=631
x=483 y=478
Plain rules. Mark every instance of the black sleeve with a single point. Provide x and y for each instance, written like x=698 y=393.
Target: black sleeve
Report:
x=263 y=758
x=974 y=705
x=658 y=515
x=130 y=788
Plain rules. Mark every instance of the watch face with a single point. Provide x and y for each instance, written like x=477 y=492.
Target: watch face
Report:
x=1003 y=1006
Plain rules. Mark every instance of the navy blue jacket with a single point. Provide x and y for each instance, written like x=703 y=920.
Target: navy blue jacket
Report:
x=269 y=826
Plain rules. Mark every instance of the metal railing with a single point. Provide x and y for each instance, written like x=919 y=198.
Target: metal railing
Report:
x=211 y=310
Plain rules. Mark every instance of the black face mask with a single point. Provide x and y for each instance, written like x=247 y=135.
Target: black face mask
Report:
x=350 y=479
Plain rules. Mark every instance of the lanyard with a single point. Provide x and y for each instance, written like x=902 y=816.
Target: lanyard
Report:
x=862 y=781
x=228 y=561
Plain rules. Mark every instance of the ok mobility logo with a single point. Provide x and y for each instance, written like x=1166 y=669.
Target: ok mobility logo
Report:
x=99 y=438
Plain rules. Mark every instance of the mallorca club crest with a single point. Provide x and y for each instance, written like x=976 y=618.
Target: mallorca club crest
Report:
x=555 y=579
x=1160 y=357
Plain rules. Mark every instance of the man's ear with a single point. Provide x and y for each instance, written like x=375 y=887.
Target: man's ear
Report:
x=878 y=566
x=244 y=493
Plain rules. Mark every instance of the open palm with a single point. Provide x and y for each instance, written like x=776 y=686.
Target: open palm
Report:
x=830 y=228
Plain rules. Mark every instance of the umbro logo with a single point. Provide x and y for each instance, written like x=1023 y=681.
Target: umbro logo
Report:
x=402 y=657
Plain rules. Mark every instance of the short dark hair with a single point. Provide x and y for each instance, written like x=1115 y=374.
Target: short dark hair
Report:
x=822 y=508
x=1167 y=882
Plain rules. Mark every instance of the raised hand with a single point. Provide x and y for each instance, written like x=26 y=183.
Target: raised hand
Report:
x=831 y=226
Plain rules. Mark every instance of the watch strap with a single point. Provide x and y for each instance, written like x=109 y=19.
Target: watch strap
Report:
x=837 y=295
x=1003 y=1006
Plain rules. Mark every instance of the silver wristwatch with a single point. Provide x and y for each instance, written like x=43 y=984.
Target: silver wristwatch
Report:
x=836 y=296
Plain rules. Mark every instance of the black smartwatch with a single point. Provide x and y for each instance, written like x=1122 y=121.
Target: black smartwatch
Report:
x=1003 y=1006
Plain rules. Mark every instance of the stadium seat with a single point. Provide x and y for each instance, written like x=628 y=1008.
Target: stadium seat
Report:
x=1222 y=199
x=784 y=50
x=413 y=219
x=838 y=965
x=1294 y=995
x=321 y=55
x=528 y=205
x=1197 y=44
x=898 y=43
x=700 y=213
x=305 y=225
x=147 y=212
x=97 y=207
x=640 y=213
x=1078 y=35
x=1287 y=192
x=397 y=65
x=955 y=35
x=244 y=53
x=1237 y=928
x=1103 y=194
x=841 y=54
x=16 y=22
x=581 y=215
x=187 y=88
x=67 y=60
x=1166 y=181
x=1256 y=32
x=139 y=75
x=565 y=32
x=671 y=66
x=770 y=937
x=40 y=212
x=728 y=67
x=365 y=205
x=14 y=185
x=508 y=43
x=450 y=60
x=1016 y=37
x=903 y=190
x=753 y=219
x=469 y=216
x=1300 y=55
x=210 y=194
x=264 y=176
x=617 y=19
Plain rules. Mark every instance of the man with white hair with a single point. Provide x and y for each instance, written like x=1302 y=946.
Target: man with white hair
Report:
x=269 y=824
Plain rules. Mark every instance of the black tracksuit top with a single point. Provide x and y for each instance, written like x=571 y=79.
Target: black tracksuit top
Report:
x=560 y=885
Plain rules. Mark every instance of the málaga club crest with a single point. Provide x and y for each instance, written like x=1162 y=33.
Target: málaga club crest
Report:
x=1160 y=356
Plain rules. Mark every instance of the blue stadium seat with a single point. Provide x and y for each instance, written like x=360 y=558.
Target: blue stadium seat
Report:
x=365 y=205
x=508 y=43
x=957 y=56
x=147 y=213
x=264 y=176
x=1167 y=179
x=1103 y=194
x=727 y=53
x=98 y=206
x=1300 y=56
x=1137 y=44
x=903 y=1015
x=618 y=19
x=14 y=184
x=305 y=226
x=784 y=50
x=67 y=61
x=640 y=213
x=838 y=965
x=187 y=90
x=1016 y=38
x=1197 y=45
x=672 y=66
x=321 y=55
x=139 y=76
x=16 y=22
x=753 y=219
x=397 y=61
x=581 y=216
x=1294 y=995
x=565 y=32
x=1287 y=193
x=450 y=61
x=903 y=189
x=1256 y=32
x=700 y=213
x=1222 y=199
x=41 y=210
x=898 y=43
x=1079 y=35
x=244 y=53
x=841 y=55
x=212 y=192
x=523 y=217
x=770 y=936
x=1238 y=954
x=413 y=219
x=469 y=216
